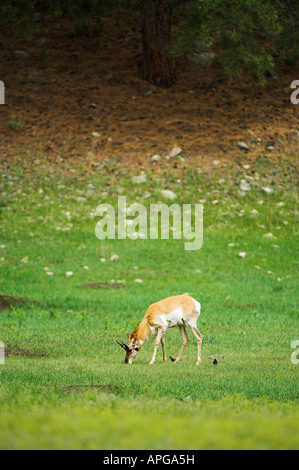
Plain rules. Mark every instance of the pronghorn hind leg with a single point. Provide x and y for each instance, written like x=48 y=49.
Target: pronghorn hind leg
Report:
x=199 y=342
x=163 y=348
x=185 y=340
x=157 y=341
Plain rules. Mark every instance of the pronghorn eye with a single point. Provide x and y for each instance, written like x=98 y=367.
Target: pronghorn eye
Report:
x=136 y=349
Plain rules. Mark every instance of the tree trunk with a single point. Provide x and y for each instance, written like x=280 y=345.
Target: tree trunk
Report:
x=157 y=64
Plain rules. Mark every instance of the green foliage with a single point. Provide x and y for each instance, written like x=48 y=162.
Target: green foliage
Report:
x=288 y=40
x=24 y=16
x=242 y=31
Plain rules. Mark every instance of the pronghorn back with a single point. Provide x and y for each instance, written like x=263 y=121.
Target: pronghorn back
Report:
x=173 y=311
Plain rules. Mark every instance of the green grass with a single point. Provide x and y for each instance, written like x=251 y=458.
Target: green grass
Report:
x=249 y=314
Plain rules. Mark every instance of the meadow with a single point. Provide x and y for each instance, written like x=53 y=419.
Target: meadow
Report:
x=64 y=383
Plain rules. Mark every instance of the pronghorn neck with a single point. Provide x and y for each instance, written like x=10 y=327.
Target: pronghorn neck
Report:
x=143 y=332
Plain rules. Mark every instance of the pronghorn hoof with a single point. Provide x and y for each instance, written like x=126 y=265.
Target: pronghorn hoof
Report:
x=172 y=358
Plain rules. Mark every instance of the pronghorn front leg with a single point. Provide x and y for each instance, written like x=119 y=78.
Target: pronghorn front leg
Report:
x=157 y=341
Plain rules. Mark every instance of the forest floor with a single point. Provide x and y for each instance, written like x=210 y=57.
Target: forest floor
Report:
x=76 y=100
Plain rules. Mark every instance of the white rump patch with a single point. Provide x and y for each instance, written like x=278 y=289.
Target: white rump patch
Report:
x=197 y=306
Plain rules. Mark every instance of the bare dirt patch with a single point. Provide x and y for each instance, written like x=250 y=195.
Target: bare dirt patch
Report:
x=8 y=301
x=16 y=351
x=102 y=285
x=78 y=388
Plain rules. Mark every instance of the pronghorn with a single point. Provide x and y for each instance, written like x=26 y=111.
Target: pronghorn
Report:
x=180 y=311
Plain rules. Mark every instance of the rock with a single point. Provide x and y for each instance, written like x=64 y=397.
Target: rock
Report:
x=114 y=257
x=242 y=254
x=155 y=158
x=202 y=59
x=268 y=190
x=275 y=75
x=168 y=194
x=243 y=146
x=269 y=235
x=139 y=179
x=20 y=54
x=244 y=186
x=37 y=17
x=175 y=151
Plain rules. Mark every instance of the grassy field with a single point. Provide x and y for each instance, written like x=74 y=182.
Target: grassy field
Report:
x=64 y=383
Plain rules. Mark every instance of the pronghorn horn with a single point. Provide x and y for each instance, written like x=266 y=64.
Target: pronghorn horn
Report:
x=123 y=345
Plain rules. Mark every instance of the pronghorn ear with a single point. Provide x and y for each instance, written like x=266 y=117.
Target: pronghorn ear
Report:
x=136 y=339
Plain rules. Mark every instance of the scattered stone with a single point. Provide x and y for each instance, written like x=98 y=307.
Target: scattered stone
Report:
x=155 y=158
x=175 y=151
x=268 y=190
x=168 y=194
x=244 y=186
x=114 y=257
x=138 y=281
x=242 y=254
x=202 y=59
x=139 y=179
x=243 y=146
x=21 y=54
x=269 y=235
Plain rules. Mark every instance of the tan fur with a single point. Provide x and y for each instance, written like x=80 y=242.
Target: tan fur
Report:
x=179 y=310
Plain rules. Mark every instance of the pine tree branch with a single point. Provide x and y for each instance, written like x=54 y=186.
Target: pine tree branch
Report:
x=176 y=3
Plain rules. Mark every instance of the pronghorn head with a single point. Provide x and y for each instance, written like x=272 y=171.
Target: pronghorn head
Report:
x=131 y=349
